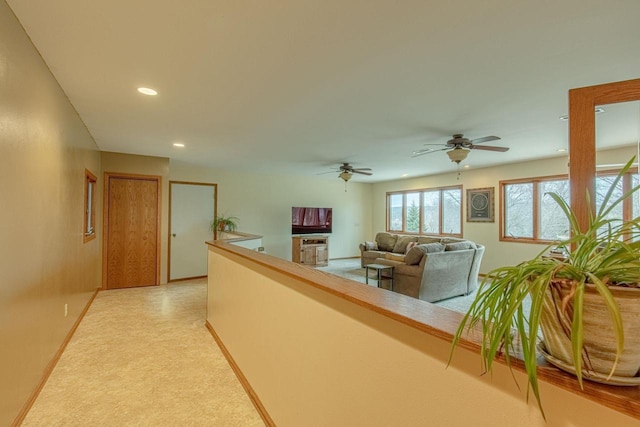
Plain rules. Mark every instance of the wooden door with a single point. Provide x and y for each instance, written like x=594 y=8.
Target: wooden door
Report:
x=309 y=255
x=322 y=255
x=132 y=240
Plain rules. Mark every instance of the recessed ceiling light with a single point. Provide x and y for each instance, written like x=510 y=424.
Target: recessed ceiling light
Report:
x=178 y=144
x=467 y=166
x=404 y=174
x=597 y=110
x=147 y=91
x=561 y=150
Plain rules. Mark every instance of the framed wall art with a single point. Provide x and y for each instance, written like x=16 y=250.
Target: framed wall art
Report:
x=480 y=205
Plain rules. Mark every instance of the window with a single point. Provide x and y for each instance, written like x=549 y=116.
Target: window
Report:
x=553 y=222
x=429 y=211
x=89 y=231
x=529 y=213
x=394 y=202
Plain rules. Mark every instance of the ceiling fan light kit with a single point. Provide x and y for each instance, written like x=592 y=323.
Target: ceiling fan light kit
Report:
x=346 y=176
x=458 y=154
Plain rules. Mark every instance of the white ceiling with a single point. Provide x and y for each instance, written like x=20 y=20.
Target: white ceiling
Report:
x=298 y=86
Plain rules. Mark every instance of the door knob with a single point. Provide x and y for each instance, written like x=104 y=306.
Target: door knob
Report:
x=174 y=234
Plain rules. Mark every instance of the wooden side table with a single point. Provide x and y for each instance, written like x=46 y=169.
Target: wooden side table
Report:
x=379 y=268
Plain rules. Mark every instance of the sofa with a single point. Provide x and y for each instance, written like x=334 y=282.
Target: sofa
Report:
x=425 y=267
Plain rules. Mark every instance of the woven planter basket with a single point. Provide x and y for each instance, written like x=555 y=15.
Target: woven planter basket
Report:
x=599 y=351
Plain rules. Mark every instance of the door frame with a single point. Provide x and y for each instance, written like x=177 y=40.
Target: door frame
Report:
x=105 y=219
x=215 y=212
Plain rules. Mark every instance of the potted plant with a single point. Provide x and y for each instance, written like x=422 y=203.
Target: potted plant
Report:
x=223 y=223
x=586 y=303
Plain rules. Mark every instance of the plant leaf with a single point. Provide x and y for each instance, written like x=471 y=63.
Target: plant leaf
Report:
x=577 y=331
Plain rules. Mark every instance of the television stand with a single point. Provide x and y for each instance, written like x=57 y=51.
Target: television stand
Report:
x=310 y=250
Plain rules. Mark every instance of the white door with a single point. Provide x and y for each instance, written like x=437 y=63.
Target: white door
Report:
x=191 y=211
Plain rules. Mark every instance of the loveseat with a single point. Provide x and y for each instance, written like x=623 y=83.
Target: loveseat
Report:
x=428 y=268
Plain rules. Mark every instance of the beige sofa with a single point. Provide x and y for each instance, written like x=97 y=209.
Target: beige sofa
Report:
x=432 y=270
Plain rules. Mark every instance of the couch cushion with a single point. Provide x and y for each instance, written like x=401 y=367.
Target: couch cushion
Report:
x=426 y=239
x=370 y=246
x=409 y=247
x=394 y=257
x=401 y=244
x=373 y=254
x=386 y=241
x=415 y=255
x=459 y=246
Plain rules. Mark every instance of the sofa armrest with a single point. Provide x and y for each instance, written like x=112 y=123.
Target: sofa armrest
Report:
x=446 y=274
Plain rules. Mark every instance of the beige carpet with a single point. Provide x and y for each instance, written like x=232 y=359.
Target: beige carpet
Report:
x=350 y=268
x=143 y=357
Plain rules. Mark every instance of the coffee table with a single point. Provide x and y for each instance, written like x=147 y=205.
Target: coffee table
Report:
x=380 y=269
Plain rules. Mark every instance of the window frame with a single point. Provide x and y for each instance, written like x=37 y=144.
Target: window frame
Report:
x=421 y=192
x=89 y=223
x=627 y=206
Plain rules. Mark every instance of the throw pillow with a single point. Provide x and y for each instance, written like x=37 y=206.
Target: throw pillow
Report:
x=415 y=255
x=370 y=246
x=386 y=241
x=401 y=244
x=394 y=257
x=410 y=246
x=458 y=246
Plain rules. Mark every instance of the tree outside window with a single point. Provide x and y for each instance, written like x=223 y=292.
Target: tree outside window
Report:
x=436 y=211
x=413 y=213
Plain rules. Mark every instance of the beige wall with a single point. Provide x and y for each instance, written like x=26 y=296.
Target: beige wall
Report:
x=263 y=205
x=261 y=202
x=44 y=150
x=497 y=253
x=315 y=359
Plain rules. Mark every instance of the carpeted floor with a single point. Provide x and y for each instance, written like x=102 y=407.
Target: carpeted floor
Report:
x=350 y=269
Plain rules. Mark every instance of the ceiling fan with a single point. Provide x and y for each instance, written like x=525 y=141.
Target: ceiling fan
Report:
x=459 y=147
x=346 y=171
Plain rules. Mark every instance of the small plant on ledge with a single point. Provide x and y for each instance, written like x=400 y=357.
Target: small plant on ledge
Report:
x=586 y=302
x=223 y=223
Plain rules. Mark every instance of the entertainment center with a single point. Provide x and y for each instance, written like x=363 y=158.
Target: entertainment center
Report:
x=310 y=250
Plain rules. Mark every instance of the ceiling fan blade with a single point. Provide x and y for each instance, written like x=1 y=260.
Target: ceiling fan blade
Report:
x=427 y=151
x=489 y=148
x=361 y=171
x=485 y=139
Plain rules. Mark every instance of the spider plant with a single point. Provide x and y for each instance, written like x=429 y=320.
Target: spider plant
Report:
x=224 y=223
x=605 y=254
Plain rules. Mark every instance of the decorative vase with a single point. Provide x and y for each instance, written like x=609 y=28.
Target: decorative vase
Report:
x=598 y=356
